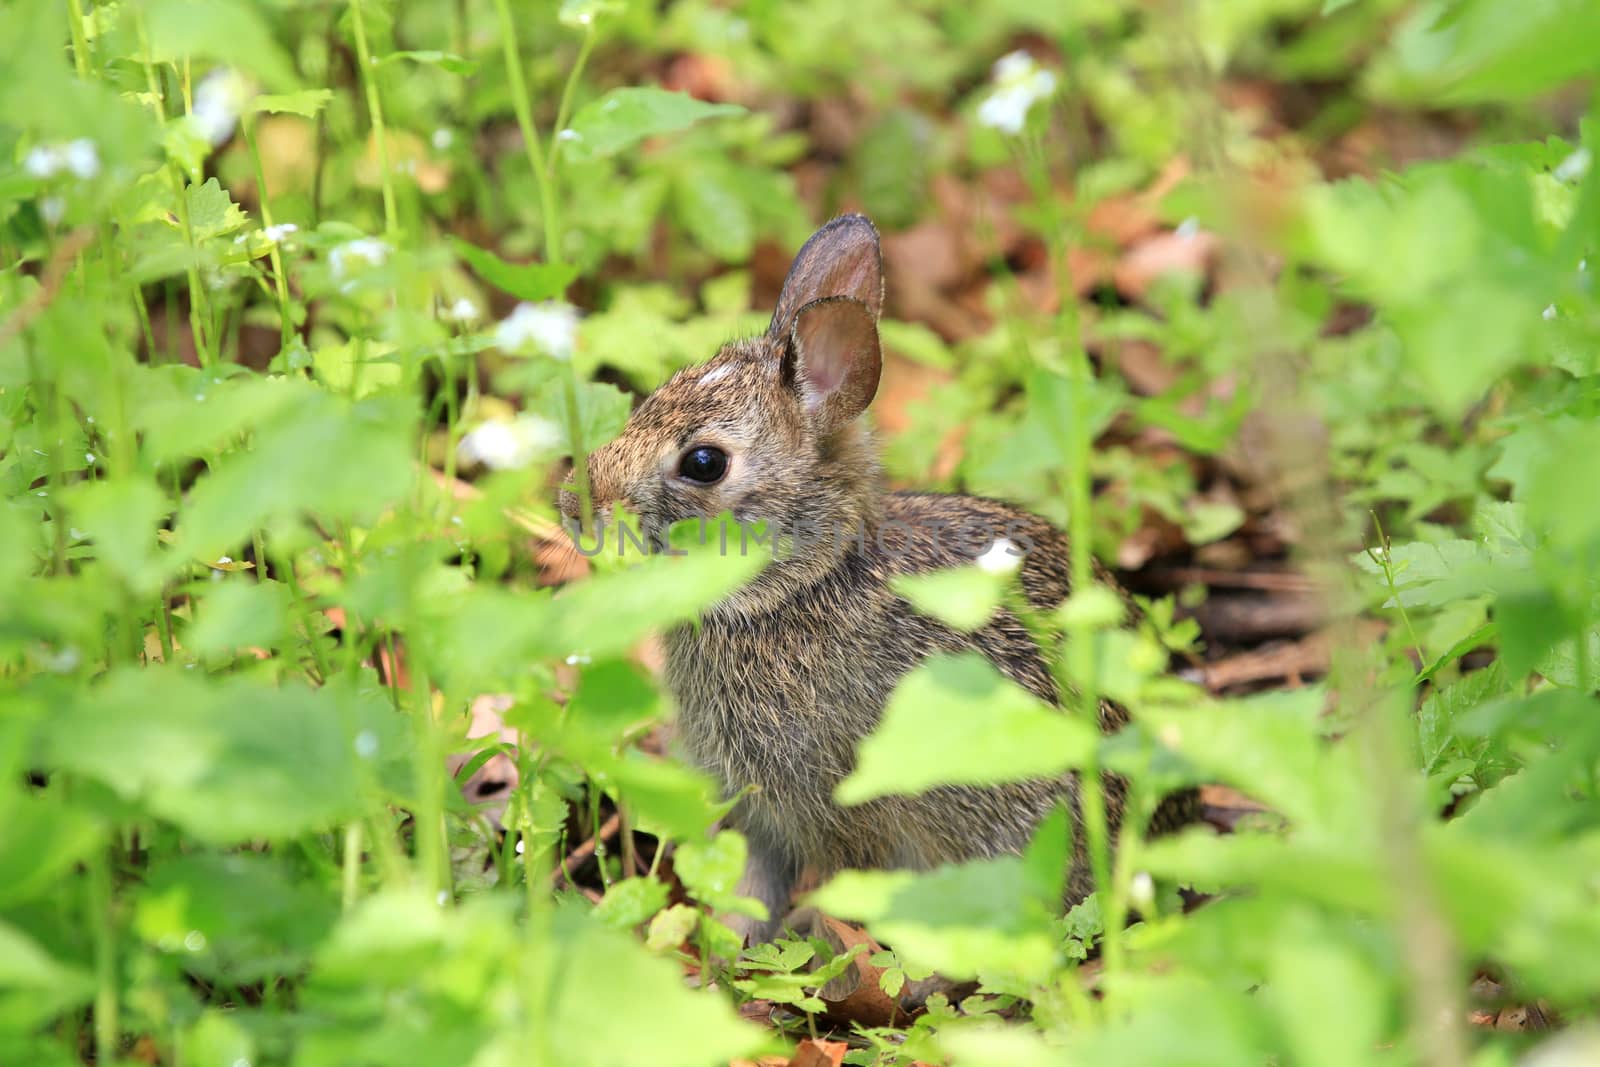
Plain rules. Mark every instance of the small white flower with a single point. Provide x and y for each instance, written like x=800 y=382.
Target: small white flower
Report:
x=443 y=898
x=52 y=209
x=366 y=744
x=578 y=659
x=569 y=135
x=462 y=310
x=42 y=162
x=1142 y=891
x=64 y=661
x=456 y=520
x=1188 y=228
x=223 y=561
x=1549 y=313
x=522 y=845
x=88 y=457
x=359 y=254
x=277 y=233
x=510 y=445
x=1002 y=557
x=550 y=328
x=218 y=99
x=1019 y=83
x=1574 y=167
x=442 y=139
x=81 y=158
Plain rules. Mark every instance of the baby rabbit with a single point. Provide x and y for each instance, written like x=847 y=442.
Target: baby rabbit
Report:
x=777 y=684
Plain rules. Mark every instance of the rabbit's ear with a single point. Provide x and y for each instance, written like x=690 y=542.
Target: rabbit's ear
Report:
x=833 y=360
x=841 y=259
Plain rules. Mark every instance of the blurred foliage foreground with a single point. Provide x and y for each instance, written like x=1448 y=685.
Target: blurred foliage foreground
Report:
x=287 y=372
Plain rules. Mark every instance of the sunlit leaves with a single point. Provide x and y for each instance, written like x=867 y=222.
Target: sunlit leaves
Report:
x=957 y=721
x=623 y=117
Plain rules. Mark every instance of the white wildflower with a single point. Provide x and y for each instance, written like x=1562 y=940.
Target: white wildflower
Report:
x=52 y=209
x=1019 y=83
x=509 y=445
x=569 y=134
x=442 y=139
x=1574 y=167
x=366 y=744
x=81 y=158
x=522 y=845
x=1549 y=313
x=578 y=659
x=1002 y=557
x=223 y=561
x=276 y=234
x=461 y=310
x=353 y=256
x=550 y=328
x=42 y=162
x=62 y=662
x=1142 y=891
x=218 y=99
x=443 y=898
x=1188 y=228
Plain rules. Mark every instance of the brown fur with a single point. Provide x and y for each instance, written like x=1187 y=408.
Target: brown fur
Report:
x=777 y=684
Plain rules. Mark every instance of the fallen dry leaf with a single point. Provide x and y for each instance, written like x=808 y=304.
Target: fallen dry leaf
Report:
x=813 y=1053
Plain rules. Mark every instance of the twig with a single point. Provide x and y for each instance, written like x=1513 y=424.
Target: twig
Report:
x=49 y=285
x=608 y=830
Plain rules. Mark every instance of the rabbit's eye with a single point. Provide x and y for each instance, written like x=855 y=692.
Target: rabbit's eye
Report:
x=704 y=464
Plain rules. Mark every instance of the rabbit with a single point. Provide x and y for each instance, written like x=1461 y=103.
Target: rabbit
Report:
x=778 y=683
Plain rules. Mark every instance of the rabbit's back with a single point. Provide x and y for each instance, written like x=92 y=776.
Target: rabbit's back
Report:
x=780 y=699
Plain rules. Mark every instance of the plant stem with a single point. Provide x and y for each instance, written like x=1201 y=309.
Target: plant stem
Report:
x=1076 y=443
x=530 y=133
x=351 y=866
x=103 y=929
x=564 y=111
x=80 y=39
x=247 y=127
x=369 y=82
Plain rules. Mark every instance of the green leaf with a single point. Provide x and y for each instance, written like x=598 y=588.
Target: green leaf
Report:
x=43 y=842
x=323 y=457
x=212 y=212
x=1482 y=51
x=956 y=720
x=711 y=870
x=445 y=61
x=237 y=917
x=240 y=612
x=121 y=518
x=710 y=204
x=33 y=985
x=631 y=902
x=960 y=921
x=624 y=117
x=672 y=927
x=307 y=102
x=581 y=14
x=532 y=282
x=226 y=762
x=962 y=597
x=229 y=31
